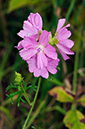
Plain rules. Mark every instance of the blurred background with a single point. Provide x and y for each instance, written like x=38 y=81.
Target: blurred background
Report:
x=12 y=15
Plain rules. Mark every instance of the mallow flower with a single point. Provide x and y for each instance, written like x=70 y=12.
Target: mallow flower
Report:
x=31 y=28
x=63 y=43
x=39 y=55
x=51 y=67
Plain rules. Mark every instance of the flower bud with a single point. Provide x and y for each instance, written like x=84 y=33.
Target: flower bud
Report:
x=18 y=77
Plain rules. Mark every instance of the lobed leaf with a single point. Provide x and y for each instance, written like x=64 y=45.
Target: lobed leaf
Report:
x=72 y=120
x=10 y=86
x=13 y=94
x=61 y=95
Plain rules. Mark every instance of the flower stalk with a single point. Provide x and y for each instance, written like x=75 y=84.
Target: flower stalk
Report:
x=24 y=126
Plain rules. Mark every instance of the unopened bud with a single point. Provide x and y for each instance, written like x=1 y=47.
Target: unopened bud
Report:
x=18 y=77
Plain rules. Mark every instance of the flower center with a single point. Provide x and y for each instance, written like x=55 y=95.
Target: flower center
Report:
x=40 y=47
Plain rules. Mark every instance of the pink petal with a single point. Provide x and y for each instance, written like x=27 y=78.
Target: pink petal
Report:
x=52 y=64
x=25 y=33
x=44 y=38
x=37 y=72
x=41 y=60
x=41 y=72
x=68 y=25
x=64 y=49
x=50 y=52
x=29 y=43
x=19 y=46
x=29 y=28
x=22 y=33
x=32 y=64
x=44 y=73
x=65 y=57
x=60 y=24
x=36 y=20
x=63 y=34
x=67 y=43
x=27 y=54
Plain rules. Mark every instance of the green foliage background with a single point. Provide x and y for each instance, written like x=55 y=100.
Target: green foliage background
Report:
x=48 y=113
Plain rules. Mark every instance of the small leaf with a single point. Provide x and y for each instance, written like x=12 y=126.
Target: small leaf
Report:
x=72 y=120
x=10 y=86
x=61 y=95
x=18 y=99
x=23 y=100
x=33 y=127
x=81 y=100
x=12 y=100
x=13 y=94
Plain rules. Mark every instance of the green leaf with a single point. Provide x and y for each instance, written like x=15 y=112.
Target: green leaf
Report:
x=33 y=127
x=13 y=94
x=18 y=99
x=10 y=86
x=61 y=95
x=15 y=4
x=81 y=100
x=78 y=126
x=72 y=120
x=23 y=100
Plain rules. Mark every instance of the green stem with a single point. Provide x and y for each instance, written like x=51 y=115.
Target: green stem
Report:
x=55 y=81
x=35 y=114
x=24 y=126
x=26 y=97
x=76 y=67
x=58 y=108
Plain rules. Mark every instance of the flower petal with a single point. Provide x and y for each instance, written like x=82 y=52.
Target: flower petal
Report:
x=50 y=52
x=37 y=72
x=32 y=62
x=52 y=64
x=27 y=54
x=64 y=49
x=28 y=31
x=63 y=34
x=44 y=73
x=41 y=72
x=67 y=43
x=29 y=28
x=65 y=57
x=29 y=43
x=22 y=33
x=68 y=25
x=41 y=60
x=36 y=20
x=60 y=24
x=19 y=46
x=44 y=38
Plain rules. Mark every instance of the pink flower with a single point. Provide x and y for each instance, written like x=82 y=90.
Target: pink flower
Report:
x=51 y=67
x=41 y=53
x=41 y=48
x=64 y=44
x=31 y=28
